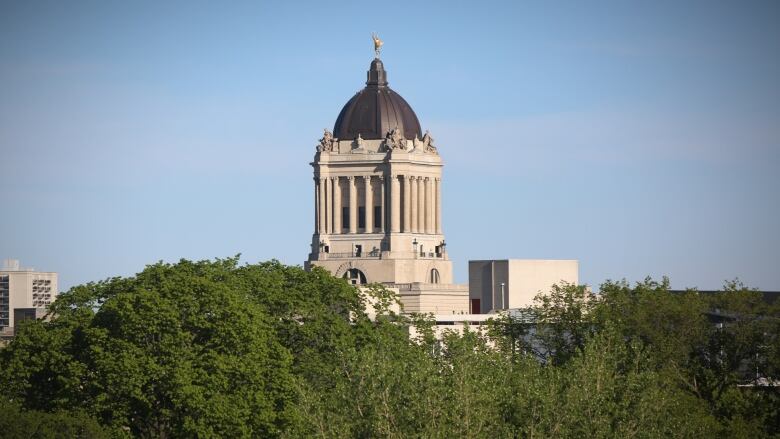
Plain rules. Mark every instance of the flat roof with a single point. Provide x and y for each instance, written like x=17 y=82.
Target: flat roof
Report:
x=527 y=260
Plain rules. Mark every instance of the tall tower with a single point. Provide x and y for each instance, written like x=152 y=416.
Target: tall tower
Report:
x=377 y=197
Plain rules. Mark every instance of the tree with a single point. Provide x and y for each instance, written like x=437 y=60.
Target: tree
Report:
x=475 y=379
x=18 y=423
x=563 y=320
x=706 y=345
x=213 y=349
x=738 y=366
x=513 y=334
x=173 y=351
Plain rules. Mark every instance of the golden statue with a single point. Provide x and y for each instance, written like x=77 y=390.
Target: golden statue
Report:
x=377 y=43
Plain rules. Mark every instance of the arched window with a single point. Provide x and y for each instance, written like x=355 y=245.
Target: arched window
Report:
x=355 y=276
x=434 y=276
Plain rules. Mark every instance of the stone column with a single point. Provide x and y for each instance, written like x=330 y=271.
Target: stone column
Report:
x=423 y=205
x=395 y=210
x=336 y=204
x=429 y=216
x=369 y=201
x=352 y=205
x=321 y=207
x=413 y=226
x=420 y=205
x=316 y=206
x=382 y=198
x=438 y=206
x=407 y=227
x=328 y=205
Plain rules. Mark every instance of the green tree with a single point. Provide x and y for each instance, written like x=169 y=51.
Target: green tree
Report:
x=563 y=320
x=705 y=344
x=213 y=349
x=18 y=423
x=476 y=377
x=512 y=333
x=738 y=366
x=173 y=351
x=673 y=324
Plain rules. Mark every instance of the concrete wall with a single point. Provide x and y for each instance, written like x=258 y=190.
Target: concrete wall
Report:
x=390 y=270
x=434 y=298
x=527 y=278
x=522 y=280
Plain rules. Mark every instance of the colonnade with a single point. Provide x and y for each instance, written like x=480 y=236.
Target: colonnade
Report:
x=418 y=197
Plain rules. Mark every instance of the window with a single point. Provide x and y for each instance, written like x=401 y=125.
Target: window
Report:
x=361 y=217
x=345 y=217
x=475 y=306
x=355 y=276
x=435 y=276
x=377 y=217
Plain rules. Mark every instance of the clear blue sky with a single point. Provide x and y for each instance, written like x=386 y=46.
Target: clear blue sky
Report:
x=642 y=138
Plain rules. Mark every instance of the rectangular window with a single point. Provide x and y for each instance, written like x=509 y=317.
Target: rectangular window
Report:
x=475 y=306
x=345 y=217
x=361 y=217
x=377 y=217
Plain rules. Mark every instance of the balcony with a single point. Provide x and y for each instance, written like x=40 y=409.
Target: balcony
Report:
x=373 y=254
x=417 y=287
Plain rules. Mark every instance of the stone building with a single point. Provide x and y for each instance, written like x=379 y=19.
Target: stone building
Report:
x=377 y=197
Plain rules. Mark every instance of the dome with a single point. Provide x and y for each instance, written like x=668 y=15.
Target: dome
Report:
x=375 y=110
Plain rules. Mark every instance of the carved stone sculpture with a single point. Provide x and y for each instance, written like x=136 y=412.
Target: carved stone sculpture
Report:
x=358 y=145
x=427 y=141
x=327 y=141
x=416 y=143
x=395 y=140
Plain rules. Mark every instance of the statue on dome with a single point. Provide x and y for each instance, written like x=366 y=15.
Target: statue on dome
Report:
x=358 y=145
x=428 y=145
x=327 y=141
x=395 y=140
x=377 y=44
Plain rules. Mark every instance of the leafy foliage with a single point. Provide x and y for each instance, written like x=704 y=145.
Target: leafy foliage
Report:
x=18 y=423
x=216 y=349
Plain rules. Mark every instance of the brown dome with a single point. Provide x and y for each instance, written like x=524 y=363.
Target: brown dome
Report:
x=375 y=110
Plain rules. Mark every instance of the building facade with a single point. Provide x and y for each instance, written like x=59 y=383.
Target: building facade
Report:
x=377 y=199
x=24 y=292
x=502 y=284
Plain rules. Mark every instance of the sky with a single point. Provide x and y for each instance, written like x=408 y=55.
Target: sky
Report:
x=640 y=138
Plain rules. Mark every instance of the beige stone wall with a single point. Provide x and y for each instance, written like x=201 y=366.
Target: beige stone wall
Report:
x=527 y=278
x=389 y=271
x=456 y=323
x=405 y=248
x=434 y=298
x=522 y=280
x=404 y=185
x=370 y=302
